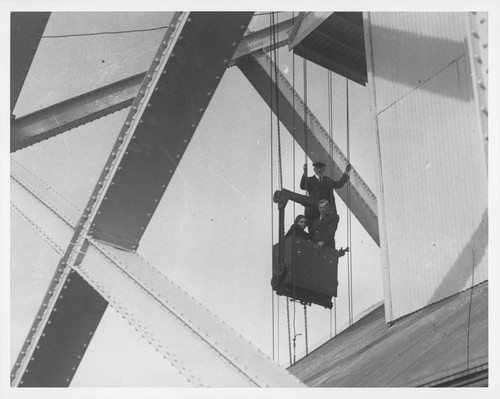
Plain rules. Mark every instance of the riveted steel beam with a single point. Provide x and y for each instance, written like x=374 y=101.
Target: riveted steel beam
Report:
x=58 y=118
x=66 y=336
x=78 y=244
x=161 y=125
x=201 y=347
x=299 y=121
x=26 y=29
x=70 y=310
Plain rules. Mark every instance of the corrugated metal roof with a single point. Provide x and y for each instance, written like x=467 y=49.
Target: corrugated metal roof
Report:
x=432 y=347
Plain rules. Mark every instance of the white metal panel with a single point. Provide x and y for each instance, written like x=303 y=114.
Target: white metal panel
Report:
x=202 y=348
x=433 y=166
x=28 y=279
x=410 y=48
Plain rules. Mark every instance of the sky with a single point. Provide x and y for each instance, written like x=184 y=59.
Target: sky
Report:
x=214 y=223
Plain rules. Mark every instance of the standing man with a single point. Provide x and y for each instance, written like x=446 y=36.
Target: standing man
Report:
x=321 y=187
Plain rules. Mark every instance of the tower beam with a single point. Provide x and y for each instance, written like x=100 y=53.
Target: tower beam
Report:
x=258 y=69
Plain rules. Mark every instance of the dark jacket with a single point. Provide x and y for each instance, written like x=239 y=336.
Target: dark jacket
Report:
x=297 y=231
x=319 y=190
x=324 y=230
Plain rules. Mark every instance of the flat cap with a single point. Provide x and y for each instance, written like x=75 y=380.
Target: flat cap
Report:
x=319 y=163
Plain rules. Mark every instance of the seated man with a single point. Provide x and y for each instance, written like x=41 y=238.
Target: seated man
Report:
x=323 y=229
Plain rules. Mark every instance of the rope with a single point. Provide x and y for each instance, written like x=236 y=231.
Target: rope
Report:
x=349 y=232
x=304 y=63
x=294 y=215
x=305 y=327
x=335 y=313
x=272 y=27
x=330 y=149
x=272 y=220
x=276 y=66
x=469 y=317
x=288 y=323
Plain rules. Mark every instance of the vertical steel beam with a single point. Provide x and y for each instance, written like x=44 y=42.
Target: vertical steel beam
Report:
x=164 y=123
x=26 y=29
x=258 y=69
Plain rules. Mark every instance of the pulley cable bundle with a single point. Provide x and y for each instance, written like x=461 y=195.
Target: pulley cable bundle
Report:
x=330 y=150
x=273 y=315
x=293 y=167
x=275 y=60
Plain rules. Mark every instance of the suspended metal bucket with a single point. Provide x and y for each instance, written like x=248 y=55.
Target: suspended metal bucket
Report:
x=307 y=273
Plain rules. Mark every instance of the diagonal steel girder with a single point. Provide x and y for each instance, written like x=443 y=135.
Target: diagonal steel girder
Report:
x=162 y=123
x=26 y=29
x=200 y=346
x=66 y=115
x=189 y=42
x=73 y=255
x=259 y=70
x=58 y=118
x=71 y=309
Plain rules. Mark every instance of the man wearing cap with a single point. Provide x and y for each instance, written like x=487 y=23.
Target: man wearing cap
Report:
x=321 y=187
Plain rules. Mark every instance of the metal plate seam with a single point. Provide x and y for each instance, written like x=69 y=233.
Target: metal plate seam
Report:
x=35 y=227
x=57 y=212
x=29 y=171
x=138 y=327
